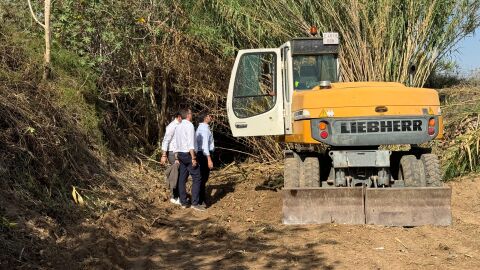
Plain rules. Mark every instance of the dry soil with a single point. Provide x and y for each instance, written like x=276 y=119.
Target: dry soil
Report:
x=242 y=230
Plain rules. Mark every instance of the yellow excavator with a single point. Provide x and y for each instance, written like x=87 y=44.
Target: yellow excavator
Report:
x=338 y=169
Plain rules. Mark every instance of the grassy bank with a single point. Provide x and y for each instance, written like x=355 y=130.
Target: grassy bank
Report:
x=50 y=141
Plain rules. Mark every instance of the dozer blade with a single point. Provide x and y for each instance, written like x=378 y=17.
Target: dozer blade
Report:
x=323 y=205
x=408 y=206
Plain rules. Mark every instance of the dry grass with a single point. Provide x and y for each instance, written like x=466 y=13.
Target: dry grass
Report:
x=45 y=144
x=461 y=146
x=380 y=40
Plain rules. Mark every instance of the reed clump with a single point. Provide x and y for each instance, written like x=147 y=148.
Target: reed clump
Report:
x=460 y=149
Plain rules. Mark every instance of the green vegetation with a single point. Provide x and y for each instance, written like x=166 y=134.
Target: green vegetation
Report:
x=153 y=57
x=75 y=83
x=48 y=128
x=6 y=224
x=121 y=68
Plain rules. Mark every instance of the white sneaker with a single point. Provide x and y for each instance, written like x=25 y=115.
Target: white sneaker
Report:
x=175 y=201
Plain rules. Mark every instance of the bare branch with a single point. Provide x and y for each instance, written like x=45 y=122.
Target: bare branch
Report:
x=33 y=14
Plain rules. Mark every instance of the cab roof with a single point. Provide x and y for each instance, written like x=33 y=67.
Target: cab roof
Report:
x=312 y=46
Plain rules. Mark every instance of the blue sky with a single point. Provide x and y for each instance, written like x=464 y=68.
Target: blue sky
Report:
x=467 y=54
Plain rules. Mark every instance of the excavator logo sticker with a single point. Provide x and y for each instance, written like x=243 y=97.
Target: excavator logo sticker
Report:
x=380 y=126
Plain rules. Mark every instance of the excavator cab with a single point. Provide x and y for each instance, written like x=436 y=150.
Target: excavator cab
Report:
x=310 y=70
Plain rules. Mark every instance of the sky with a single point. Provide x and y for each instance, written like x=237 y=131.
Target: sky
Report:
x=467 y=53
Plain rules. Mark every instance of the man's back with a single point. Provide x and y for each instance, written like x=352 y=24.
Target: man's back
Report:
x=185 y=137
x=169 y=143
x=204 y=139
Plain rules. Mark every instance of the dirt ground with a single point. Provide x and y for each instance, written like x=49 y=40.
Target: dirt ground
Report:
x=242 y=229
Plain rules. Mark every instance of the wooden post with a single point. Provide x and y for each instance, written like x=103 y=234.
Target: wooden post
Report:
x=48 y=40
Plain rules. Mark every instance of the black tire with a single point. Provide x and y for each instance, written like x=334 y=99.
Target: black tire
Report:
x=433 y=175
x=311 y=172
x=291 y=171
x=411 y=171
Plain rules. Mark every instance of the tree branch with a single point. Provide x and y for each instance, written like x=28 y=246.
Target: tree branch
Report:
x=33 y=14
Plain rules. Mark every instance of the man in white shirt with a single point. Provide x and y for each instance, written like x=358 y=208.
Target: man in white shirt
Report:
x=185 y=154
x=204 y=148
x=169 y=149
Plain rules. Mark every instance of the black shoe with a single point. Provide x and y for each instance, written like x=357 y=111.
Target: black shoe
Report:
x=199 y=207
x=185 y=206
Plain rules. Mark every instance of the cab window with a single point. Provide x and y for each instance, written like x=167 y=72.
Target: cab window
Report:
x=254 y=91
x=309 y=70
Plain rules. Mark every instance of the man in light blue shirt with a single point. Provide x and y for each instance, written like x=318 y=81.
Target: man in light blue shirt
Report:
x=185 y=154
x=204 y=148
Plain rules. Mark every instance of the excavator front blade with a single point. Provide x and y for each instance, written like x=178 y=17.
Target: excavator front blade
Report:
x=323 y=205
x=379 y=206
x=408 y=206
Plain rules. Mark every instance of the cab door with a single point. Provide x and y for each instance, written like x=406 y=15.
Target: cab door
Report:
x=255 y=96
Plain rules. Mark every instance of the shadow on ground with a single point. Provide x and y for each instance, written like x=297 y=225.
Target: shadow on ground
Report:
x=219 y=191
x=192 y=244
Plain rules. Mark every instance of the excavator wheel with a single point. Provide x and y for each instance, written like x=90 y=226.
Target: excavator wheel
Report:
x=311 y=172
x=412 y=171
x=291 y=173
x=433 y=174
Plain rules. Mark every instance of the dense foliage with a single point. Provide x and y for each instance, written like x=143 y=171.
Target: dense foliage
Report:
x=151 y=57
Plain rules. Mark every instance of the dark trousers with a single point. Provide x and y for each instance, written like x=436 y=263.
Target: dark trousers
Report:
x=186 y=168
x=205 y=173
x=171 y=160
